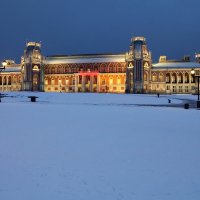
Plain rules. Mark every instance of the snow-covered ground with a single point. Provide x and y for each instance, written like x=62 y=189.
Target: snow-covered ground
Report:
x=98 y=147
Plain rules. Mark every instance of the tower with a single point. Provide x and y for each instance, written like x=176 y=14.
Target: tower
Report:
x=138 y=67
x=32 y=67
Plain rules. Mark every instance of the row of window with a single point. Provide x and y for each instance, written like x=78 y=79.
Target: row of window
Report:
x=7 y=80
x=172 y=79
x=179 y=89
x=102 y=69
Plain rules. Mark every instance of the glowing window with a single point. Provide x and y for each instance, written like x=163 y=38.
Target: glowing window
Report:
x=118 y=81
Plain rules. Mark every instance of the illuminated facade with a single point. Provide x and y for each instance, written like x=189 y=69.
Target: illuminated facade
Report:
x=131 y=72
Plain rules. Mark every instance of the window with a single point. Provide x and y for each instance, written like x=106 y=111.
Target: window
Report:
x=186 y=78
x=193 y=87
x=174 y=89
x=103 y=68
x=180 y=78
x=118 y=81
x=145 y=77
x=73 y=81
x=161 y=78
x=167 y=78
x=52 y=82
x=174 y=78
x=154 y=78
x=186 y=89
x=168 y=87
x=9 y=80
x=180 y=89
x=103 y=82
x=192 y=79
x=4 y=81
x=111 y=81
x=14 y=79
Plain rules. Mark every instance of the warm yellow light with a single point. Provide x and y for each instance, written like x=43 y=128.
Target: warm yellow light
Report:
x=4 y=63
x=192 y=72
x=130 y=66
x=118 y=81
x=36 y=68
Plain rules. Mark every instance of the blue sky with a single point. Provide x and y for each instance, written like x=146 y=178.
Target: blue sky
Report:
x=90 y=26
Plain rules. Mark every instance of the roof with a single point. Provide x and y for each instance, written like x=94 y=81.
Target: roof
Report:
x=175 y=65
x=12 y=68
x=86 y=55
x=85 y=58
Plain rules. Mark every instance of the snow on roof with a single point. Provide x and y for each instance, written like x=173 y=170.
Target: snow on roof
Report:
x=12 y=68
x=98 y=58
x=176 y=65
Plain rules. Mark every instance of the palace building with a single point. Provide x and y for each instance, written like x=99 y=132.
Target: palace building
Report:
x=130 y=72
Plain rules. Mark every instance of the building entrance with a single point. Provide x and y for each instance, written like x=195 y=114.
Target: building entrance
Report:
x=36 y=82
x=86 y=82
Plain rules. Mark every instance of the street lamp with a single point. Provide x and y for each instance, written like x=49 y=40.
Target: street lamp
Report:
x=193 y=73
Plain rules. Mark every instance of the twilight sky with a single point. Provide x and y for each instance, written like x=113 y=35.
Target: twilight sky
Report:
x=99 y=26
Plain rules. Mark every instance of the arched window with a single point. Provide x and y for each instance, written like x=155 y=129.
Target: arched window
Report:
x=96 y=68
x=168 y=79
x=66 y=69
x=14 y=79
x=154 y=78
x=111 y=81
x=9 y=80
x=60 y=69
x=103 y=68
x=53 y=70
x=161 y=77
x=180 y=78
x=4 y=80
x=145 y=76
x=56 y=70
x=46 y=81
x=174 y=78
x=35 y=80
x=103 y=82
x=119 y=69
x=110 y=67
x=118 y=80
x=0 y=80
x=186 y=78
x=52 y=81
x=192 y=79
x=73 y=81
x=67 y=81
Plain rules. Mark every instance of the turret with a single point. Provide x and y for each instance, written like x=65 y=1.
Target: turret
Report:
x=32 y=67
x=138 y=66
